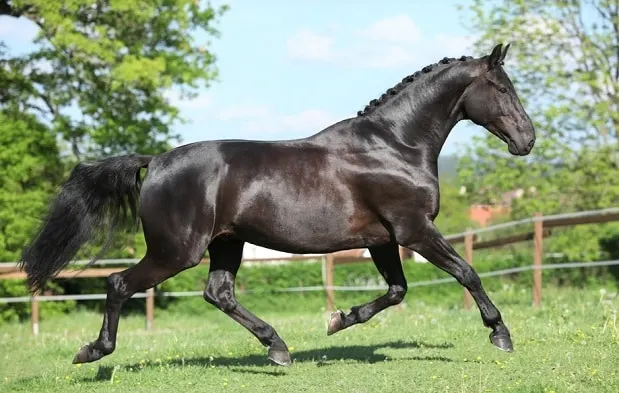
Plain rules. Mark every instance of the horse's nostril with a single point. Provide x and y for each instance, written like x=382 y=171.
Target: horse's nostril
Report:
x=531 y=143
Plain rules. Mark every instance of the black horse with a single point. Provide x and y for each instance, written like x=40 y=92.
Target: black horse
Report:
x=368 y=181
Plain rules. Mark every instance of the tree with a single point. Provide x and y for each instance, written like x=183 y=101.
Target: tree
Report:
x=29 y=169
x=101 y=69
x=95 y=84
x=564 y=62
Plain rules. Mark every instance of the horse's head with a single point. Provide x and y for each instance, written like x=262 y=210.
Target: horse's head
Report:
x=491 y=102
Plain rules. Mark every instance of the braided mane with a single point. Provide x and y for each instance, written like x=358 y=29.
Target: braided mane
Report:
x=405 y=83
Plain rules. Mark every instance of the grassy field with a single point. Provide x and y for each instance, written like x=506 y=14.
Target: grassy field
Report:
x=569 y=345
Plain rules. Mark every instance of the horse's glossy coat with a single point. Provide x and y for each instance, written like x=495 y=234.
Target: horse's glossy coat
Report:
x=369 y=181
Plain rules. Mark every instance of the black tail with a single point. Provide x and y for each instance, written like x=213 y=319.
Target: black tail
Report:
x=96 y=194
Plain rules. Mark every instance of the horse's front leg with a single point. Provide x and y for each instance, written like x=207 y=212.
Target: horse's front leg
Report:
x=428 y=242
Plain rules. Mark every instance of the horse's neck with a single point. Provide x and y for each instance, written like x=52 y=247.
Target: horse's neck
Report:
x=432 y=111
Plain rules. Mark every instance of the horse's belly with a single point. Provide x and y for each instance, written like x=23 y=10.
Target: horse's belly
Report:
x=313 y=226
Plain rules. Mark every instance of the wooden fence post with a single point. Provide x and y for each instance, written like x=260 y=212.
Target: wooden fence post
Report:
x=468 y=255
x=538 y=252
x=403 y=251
x=150 y=308
x=329 y=282
x=34 y=314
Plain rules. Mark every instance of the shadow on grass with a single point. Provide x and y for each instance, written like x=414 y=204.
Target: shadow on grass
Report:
x=321 y=356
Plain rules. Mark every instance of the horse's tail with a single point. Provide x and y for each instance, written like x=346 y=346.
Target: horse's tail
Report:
x=103 y=193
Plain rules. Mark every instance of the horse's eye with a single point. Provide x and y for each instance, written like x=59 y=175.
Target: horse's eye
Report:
x=503 y=90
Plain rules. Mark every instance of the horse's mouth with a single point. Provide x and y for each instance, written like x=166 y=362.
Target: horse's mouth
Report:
x=512 y=146
x=509 y=141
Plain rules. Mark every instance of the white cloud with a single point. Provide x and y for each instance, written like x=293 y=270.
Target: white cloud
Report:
x=304 y=123
x=398 y=29
x=264 y=121
x=309 y=120
x=391 y=56
x=454 y=44
x=243 y=111
x=311 y=46
x=393 y=42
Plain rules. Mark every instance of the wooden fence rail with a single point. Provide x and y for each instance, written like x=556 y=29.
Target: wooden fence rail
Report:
x=470 y=238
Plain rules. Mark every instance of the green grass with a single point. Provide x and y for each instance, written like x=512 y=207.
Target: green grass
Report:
x=571 y=344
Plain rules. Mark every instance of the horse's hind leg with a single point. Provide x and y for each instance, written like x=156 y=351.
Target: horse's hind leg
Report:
x=226 y=255
x=387 y=261
x=149 y=272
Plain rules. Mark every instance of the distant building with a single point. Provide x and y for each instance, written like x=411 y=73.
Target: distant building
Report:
x=484 y=214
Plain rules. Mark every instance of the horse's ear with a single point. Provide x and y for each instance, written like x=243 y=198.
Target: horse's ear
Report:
x=496 y=56
x=505 y=52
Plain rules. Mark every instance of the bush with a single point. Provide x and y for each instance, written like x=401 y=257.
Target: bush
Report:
x=259 y=285
x=11 y=312
x=264 y=281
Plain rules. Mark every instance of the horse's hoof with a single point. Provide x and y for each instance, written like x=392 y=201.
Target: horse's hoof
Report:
x=336 y=322
x=280 y=357
x=502 y=340
x=87 y=354
x=84 y=355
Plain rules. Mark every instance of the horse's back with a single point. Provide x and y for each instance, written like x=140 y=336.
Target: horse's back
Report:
x=294 y=196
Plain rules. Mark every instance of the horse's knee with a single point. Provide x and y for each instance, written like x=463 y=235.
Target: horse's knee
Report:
x=396 y=294
x=116 y=287
x=219 y=293
x=468 y=277
x=220 y=298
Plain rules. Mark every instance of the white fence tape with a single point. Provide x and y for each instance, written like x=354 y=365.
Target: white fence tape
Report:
x=582 y=214
x=570 y=265
x=99 y=262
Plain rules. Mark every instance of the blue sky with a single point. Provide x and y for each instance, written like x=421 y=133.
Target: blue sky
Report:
x=290 y=68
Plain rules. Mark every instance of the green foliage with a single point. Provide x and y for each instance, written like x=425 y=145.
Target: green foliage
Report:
x=564 y=65
x=97 y=82
x=17 y=311
x=29 y=169
x=563 y=59
x=610 y=244
x=453 y=215
x=259 y=285
x=14 y=312
x=101 y=72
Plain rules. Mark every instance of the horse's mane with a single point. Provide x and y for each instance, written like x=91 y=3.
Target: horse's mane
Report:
x=405 y=83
